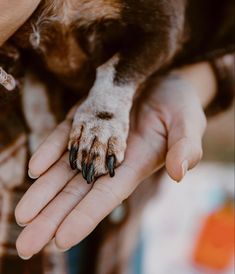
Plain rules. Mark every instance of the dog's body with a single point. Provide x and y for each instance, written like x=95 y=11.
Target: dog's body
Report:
x=127 y=41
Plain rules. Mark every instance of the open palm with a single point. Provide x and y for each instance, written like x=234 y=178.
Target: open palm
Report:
x=167 y=127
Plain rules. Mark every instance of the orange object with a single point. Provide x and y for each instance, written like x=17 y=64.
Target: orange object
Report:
x=215 y=245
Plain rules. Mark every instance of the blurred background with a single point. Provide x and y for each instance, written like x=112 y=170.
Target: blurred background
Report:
x=188 y=228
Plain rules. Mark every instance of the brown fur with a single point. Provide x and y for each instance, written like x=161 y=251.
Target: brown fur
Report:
x=59 y=26
x=73 y=35
x=71 y=39
x=66 y=11
x=148 y=34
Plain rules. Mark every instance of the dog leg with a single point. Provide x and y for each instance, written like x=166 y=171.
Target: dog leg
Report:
x=101 y=124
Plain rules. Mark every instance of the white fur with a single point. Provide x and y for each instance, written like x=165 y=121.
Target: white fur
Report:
x=108 y=96
x=35 y=36
x=105 y=96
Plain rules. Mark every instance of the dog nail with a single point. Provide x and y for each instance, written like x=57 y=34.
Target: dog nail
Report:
x=84 y=170
x=73 y=157
x=111 y=160
x=90 y=174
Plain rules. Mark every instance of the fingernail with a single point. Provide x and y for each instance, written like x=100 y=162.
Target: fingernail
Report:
x=20 y=224
x=184 y=168
x=23 y=257
x=62 y=250
x=31 y=175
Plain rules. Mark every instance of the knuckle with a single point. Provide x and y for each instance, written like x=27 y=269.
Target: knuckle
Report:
x=88 y=220
x=63 y=164
x=106 y=191
x=72 y=192
x=75 y=190
x=64 y=126
x=48 y=220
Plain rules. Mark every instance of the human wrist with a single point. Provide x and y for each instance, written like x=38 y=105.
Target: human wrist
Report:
x=202 y=79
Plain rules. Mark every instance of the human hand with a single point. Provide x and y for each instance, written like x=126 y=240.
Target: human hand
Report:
x=13 y=14
x=167 y=127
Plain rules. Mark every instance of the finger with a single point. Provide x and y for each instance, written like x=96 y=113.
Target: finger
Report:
x=107 y=193
x=42 y=229
x=44 y=190
x=50 y=150
x=185 y=142
x=184 y=155
x=99 y=202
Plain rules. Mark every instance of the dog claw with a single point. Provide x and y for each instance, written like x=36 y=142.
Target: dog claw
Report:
x=84 y=170
x=111 y=161
x=73 y=157
x=90 y=174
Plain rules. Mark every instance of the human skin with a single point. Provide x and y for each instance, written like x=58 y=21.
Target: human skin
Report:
x=13 y=14
x=167 y=129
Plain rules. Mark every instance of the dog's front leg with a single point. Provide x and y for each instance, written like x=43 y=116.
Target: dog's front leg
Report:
x=101 y=124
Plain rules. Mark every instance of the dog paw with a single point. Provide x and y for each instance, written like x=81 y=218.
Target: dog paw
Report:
x=97 y=143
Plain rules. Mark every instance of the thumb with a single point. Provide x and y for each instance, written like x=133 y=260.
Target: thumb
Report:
x=185 y=142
